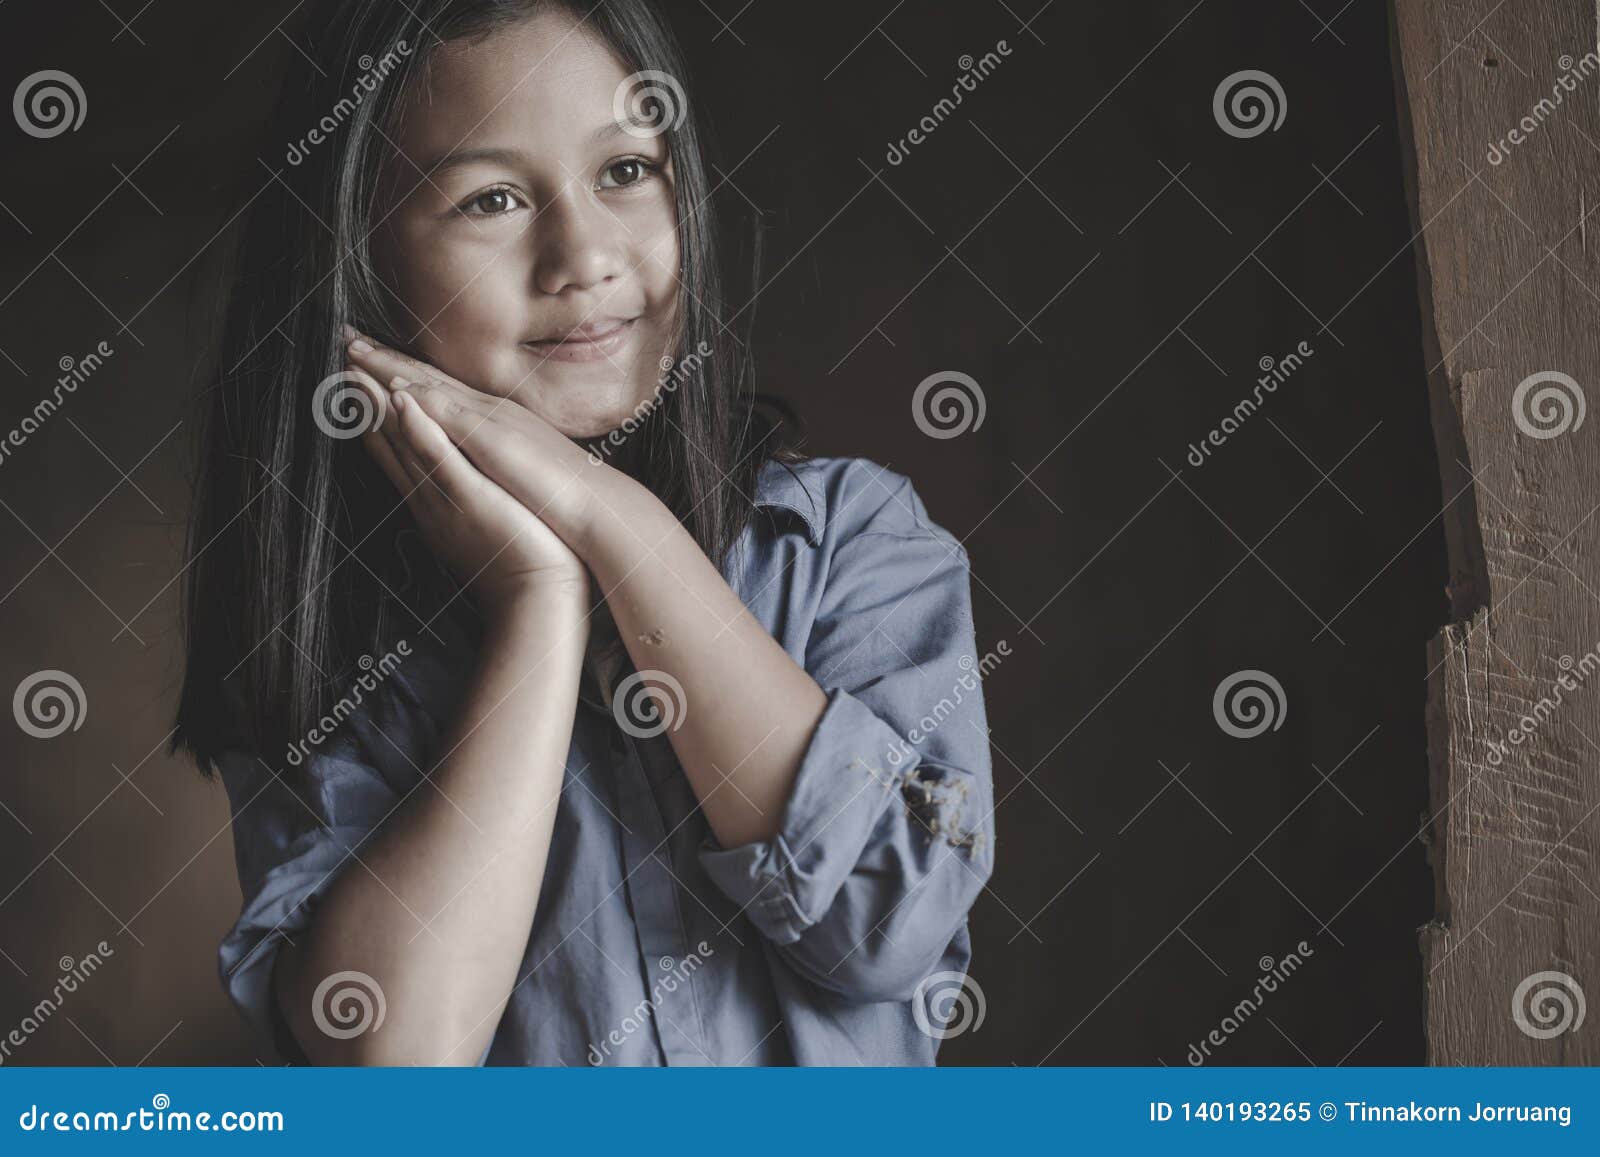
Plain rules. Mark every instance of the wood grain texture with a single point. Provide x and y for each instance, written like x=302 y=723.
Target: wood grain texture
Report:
x=1509 y=276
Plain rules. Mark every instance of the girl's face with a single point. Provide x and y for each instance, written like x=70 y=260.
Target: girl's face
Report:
x=521 y=212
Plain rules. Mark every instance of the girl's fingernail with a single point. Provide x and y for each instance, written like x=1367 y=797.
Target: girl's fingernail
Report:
x=361 y=346
x=398 y=383
x=349 y=331
x=400 y=401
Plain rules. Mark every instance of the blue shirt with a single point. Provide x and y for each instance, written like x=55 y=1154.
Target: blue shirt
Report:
x=837 y=942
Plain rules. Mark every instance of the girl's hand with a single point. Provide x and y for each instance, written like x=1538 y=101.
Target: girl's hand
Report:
x=525 y=455
x=493 y=544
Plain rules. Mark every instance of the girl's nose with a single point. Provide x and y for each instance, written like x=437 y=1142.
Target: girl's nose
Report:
x=579 y=243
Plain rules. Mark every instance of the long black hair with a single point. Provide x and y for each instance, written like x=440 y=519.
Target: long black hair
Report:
x=302 y=562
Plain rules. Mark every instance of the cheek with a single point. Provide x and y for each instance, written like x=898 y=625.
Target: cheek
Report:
x=465 y=310
x=658 y=270
x=660 y=260
x=658 y=278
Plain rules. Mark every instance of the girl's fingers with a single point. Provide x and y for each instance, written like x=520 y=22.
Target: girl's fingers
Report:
x=377 y=437
x=412 y=480
x=418 y=484
x=484 y=428
x=393 y=454
x=387 y=365
x=456 y=408
x=381 y=361
x=382 y=450
x=434 y=452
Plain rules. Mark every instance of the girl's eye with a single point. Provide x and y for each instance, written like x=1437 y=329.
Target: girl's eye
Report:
x=626 y=172
x=491 y=203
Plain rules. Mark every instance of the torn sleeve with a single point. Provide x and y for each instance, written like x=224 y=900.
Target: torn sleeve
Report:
x=887 y=836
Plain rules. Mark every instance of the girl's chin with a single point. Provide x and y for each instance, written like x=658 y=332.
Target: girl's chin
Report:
x=579 y=422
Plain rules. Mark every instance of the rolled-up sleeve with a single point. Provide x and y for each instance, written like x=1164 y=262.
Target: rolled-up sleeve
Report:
x=291 y=841
x=887 y=837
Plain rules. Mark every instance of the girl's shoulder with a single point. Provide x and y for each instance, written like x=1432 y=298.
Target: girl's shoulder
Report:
x=838 y=500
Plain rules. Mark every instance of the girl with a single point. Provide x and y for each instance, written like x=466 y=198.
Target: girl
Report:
x=561 y=713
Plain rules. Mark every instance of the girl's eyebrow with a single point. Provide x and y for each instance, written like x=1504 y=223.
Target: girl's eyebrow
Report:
x=455 y=158
x=510 y=157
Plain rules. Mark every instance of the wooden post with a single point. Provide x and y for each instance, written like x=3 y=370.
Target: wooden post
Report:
x=1500 y=110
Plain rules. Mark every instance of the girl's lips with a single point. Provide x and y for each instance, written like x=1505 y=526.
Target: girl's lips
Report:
x=584 y=349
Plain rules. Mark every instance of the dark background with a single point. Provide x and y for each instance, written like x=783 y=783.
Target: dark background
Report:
x=1083 y=240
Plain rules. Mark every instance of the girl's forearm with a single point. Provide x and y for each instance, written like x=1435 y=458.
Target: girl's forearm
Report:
x=749 y=708
x=438 y=908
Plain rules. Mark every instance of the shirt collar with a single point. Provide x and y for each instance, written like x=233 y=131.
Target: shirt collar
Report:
x=779 y=486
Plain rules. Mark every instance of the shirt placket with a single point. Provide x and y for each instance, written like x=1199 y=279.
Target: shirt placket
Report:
x=673 y=1010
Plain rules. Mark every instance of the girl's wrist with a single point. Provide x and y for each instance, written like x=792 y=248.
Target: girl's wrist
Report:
x=604 y=497
x=535 y=605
